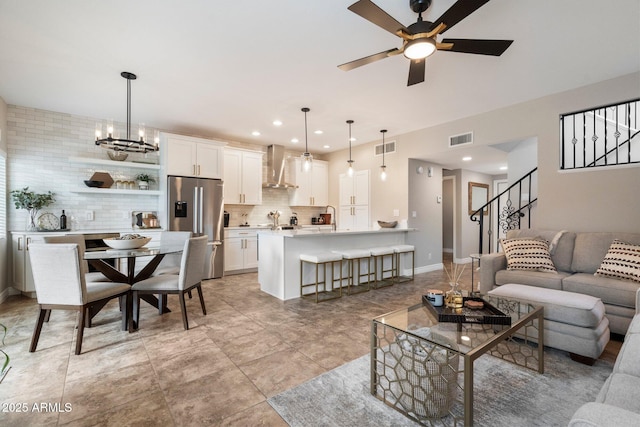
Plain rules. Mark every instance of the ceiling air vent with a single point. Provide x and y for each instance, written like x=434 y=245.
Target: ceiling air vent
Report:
x=390 y=147
x=462 y=139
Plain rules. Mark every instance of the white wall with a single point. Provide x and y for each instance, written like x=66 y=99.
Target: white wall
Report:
x=609 y=195
x=4 y=282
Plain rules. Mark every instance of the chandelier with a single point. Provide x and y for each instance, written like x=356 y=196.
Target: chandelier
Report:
x=127 y=144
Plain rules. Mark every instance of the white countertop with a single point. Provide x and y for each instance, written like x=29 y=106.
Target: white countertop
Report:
x=327 y=233
x=92 y=231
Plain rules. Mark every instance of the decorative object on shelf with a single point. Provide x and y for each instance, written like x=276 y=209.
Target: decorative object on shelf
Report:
x=144 y=180
x=93 y=184
x=307 y=158
x=48 y=222
x=32 y=202
x=453 y=297
x=387 y=224
x=383 y=168
x=125 y=144
x=104 y=177
x=127 y=241
x=350 y=161
x=118 y=156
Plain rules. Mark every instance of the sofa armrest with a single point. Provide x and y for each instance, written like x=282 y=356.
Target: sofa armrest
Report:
x=638 y=301
x=594 y=414
x=489 y=265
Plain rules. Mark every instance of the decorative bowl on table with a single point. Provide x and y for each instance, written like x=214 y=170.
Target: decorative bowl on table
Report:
x=127 y=241
x=385 y=224
x=92 y=183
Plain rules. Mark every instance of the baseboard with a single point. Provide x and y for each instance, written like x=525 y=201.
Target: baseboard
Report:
x=462 y=260
x=4 y=295
x=425 y=269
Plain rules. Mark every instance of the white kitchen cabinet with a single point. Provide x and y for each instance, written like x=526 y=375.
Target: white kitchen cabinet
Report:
x=242 y=177
x=313 y=186
x=22 y=277
x=354 y=201
x=189 y=156
x=240 y=250
x=354 y=218
x=354 y=190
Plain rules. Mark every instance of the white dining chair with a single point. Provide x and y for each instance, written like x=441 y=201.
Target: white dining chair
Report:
x=60 y=285
x=190 y=277
x=170 y=264
x=78 y=239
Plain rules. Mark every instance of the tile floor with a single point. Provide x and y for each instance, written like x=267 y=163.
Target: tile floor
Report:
x=249 y=347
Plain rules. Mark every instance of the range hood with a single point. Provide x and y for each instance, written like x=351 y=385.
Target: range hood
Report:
x=275 y=168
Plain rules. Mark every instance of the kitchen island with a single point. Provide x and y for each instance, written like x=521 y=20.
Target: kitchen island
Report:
x=279 y=253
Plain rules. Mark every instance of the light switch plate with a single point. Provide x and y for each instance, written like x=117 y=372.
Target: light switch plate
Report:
x=439 y=199
x=396 y=212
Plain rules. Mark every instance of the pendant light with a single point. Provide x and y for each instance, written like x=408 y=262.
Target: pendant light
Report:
x=383 y=168
x=125 y=144
x=307 y=158
x=350 y=162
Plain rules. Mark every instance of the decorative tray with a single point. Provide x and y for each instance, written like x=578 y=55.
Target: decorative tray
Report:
x=486 y=315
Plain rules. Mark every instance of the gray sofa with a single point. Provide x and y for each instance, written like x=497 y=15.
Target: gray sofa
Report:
x=618 y=403
x=576 y=256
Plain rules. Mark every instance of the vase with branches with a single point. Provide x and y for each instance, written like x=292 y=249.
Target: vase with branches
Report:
x=32 y=202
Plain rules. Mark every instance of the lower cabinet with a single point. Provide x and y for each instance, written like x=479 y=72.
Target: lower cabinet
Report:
x=22 y=277
x=240 y=250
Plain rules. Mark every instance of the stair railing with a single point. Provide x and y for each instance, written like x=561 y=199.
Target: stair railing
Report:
x=509 y=215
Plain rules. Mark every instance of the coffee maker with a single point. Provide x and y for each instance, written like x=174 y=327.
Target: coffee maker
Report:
x=293 y=220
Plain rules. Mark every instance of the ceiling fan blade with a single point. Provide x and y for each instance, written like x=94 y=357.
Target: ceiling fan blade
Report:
x=372 y=13
x=367 y=60
x=416 y=71
x=456 y=13
x=477 y=46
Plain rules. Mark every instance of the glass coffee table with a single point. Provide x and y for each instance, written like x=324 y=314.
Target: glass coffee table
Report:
x=423 y=367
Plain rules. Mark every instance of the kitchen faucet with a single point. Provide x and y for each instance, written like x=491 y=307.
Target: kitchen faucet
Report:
x=333 y=217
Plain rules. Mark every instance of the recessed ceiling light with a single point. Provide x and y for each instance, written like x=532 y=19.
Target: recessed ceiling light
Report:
x=326 y=146
x=277 y=123
x=255 y=133
x=318 y=132
x=503 y=168
x=295 y=140
x=466 y=159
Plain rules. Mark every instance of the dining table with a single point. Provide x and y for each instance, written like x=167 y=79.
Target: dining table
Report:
x=98 y=260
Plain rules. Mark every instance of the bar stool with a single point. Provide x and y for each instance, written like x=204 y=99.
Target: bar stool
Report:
x=378 y=255
x=402 y=250
x=323 y=259
x=356 y=256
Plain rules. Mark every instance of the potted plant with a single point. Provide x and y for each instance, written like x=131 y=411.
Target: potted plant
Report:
x=4 y=368
x=144 y=180
x=32 y=202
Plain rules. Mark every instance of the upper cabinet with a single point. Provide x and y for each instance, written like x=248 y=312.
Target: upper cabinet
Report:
x=242 y=177
x=354 y=190
x=189 y=156
x=313 y=186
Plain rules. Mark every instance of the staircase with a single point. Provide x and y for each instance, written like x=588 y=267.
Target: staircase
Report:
x=509 y=210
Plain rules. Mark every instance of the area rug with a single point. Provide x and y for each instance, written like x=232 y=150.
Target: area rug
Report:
x=504 y=395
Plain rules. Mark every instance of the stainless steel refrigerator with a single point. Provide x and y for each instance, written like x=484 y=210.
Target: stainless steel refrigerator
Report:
x=197 y=205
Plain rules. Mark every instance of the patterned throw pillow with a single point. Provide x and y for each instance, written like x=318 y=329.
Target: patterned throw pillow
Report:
x=528 y=254
x=622 y=261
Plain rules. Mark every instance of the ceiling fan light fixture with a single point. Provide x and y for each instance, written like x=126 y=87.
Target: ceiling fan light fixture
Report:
x=419 y=48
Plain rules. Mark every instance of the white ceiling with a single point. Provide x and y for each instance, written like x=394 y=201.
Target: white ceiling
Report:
x=225 y=69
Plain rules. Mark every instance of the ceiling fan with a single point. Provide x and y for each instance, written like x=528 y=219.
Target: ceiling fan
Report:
x=420 y=38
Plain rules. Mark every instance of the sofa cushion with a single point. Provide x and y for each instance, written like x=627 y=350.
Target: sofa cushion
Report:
x=622 y=261
x=598 y=414
x=591 y=248
x=531 y=278
x=610 y=291
x=627 y=360
x=566 y=307
x=561 y=253
x=624 y=392
x=528 y=254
